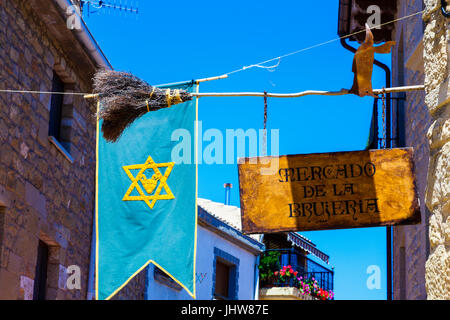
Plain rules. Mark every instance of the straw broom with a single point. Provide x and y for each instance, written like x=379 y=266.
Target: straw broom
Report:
x=124 y=98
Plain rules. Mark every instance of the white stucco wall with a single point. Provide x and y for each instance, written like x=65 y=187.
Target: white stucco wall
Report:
x=206 y=242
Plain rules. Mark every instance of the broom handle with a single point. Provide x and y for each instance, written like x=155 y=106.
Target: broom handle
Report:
x=224 y=76
x=287 y=95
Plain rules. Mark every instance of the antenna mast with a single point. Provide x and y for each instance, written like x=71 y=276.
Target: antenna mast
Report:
x=93 y=6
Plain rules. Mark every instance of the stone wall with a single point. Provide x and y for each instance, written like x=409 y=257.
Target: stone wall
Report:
x=437 y=64
x=46 y=193
x=135 y=289
x=411 y=121
x=421 y=254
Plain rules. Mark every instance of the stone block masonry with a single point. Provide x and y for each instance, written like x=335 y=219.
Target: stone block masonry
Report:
x=411 y=120
x=437 y=64
x=43 y=195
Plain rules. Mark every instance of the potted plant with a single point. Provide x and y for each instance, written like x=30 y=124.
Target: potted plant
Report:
x=312 y=288
x=287 y=276
x=268 y=263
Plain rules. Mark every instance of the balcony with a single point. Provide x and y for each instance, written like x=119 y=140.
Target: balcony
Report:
x=289 y=275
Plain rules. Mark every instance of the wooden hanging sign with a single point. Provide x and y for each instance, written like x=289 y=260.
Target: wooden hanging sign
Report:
x=328 y=191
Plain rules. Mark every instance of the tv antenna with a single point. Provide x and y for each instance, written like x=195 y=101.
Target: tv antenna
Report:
x=94 y=6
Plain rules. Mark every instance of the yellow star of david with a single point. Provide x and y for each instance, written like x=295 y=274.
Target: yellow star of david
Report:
x=151 y=184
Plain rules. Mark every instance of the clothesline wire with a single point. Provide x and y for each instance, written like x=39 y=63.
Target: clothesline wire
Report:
x=43 y=92
x=323 y=43
x=259 y=65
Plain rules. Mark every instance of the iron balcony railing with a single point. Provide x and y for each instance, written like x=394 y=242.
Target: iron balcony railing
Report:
x=306 y=268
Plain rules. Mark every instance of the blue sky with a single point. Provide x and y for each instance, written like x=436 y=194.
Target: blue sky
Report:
x=180 y=40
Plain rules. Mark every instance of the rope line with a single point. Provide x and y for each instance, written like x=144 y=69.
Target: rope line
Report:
x=43 y=92
x=256 y=65
x=269 y=68
x=323 y=43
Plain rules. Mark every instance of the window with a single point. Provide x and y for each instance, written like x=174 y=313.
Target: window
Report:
x=61 y=115
x=225 y=279
x=402 y=273
x=400 y=104
x=56 y=105
x=2 y=223
x=222 y=280
x=40 y=277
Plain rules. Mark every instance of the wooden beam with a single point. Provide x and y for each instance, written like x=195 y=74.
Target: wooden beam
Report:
x=303 y=93
x=287 y=95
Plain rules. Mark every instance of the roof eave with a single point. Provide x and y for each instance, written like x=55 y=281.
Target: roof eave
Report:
x=230 y=233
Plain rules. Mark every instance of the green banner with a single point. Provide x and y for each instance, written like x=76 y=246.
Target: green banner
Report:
x=146 y=210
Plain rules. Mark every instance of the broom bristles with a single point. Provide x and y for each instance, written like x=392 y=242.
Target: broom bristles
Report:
x=124 y=98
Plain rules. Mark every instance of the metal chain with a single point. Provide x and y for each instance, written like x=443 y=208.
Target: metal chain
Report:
x=383 y=118
x=264 y=146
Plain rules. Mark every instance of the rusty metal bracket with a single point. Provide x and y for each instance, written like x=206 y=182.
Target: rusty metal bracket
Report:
x=363 y=64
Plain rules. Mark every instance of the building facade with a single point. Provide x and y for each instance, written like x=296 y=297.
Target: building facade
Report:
x=47 y=152
x=410 y=122
x=437 y=98
x=226 y=260
x=421 y=258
